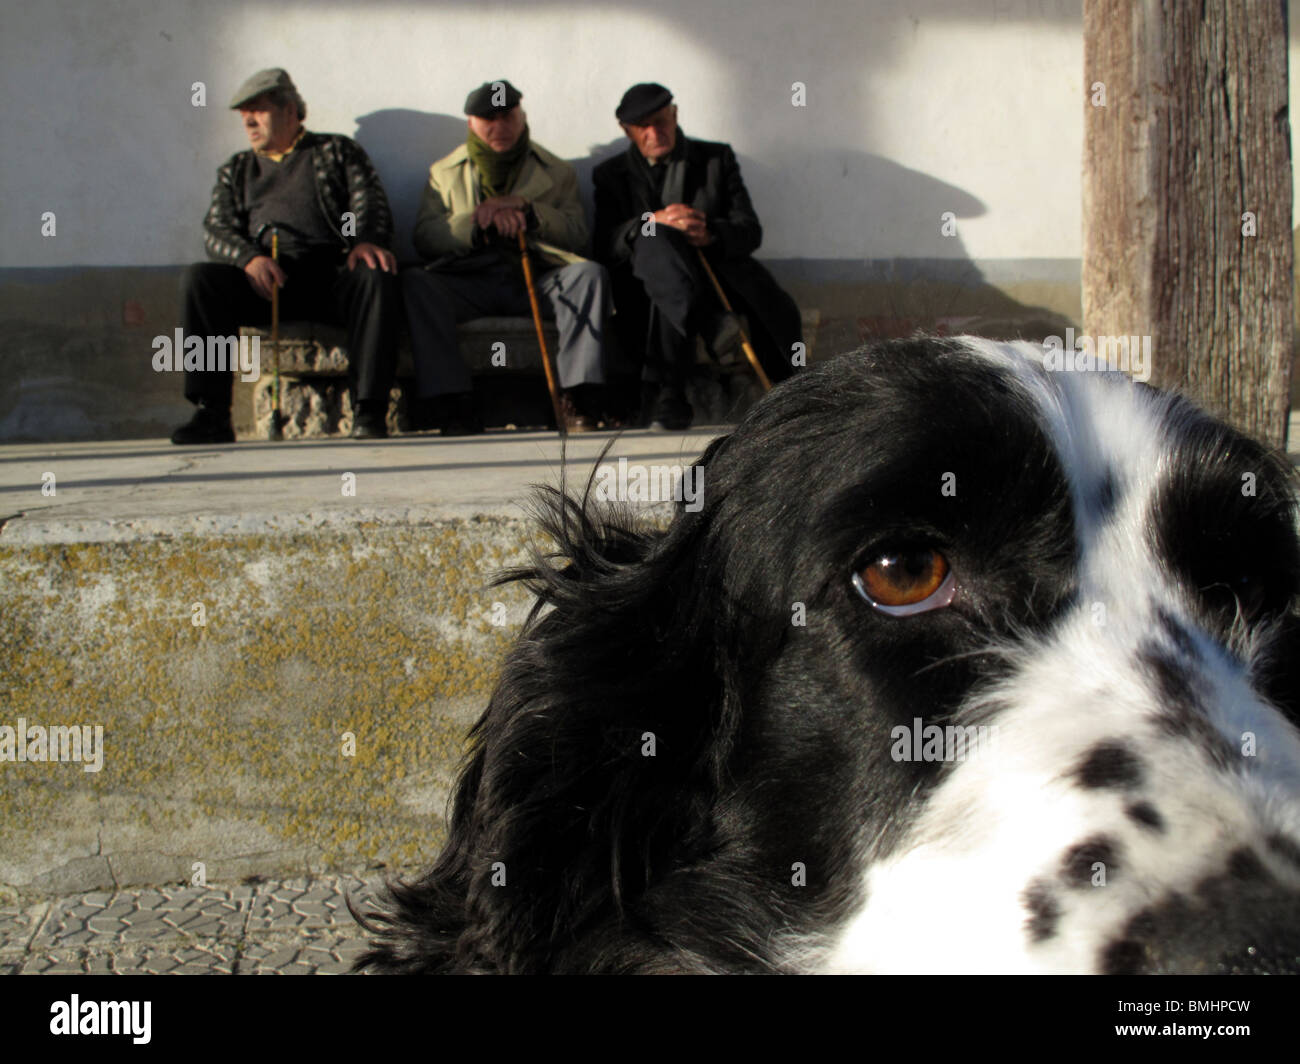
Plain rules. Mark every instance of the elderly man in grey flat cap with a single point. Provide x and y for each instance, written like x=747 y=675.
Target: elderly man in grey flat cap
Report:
x=321 y=194
x=497 y=184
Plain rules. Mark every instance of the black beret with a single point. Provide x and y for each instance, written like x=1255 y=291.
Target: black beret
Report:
x=484 y=102
x=641 y=101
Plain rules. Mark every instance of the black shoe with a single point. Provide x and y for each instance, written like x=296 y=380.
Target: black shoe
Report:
x=672 y=413
x=722 y=333
x=369 y=422
x=454 y=415
x=208 y=425
x=575 y=419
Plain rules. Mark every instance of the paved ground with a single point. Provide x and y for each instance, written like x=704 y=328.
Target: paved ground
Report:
x=284 y=927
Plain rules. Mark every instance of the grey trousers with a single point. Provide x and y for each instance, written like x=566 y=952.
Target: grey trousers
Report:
x=576 y=296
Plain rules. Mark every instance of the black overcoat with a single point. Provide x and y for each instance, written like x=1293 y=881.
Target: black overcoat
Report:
x=711 y=183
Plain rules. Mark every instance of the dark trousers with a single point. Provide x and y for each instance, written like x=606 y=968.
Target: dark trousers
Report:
x=489 y=283
x=681 y=296
x=218 y=299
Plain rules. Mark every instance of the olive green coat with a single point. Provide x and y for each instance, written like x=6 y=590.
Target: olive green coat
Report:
x=444 y=226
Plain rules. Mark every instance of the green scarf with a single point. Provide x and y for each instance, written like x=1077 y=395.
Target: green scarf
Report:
x=497 y=170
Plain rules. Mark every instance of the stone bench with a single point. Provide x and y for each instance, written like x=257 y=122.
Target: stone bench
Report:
x=315 y=399
x=314 y=396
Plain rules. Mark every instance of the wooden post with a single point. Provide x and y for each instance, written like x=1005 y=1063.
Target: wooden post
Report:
x=1187 y=198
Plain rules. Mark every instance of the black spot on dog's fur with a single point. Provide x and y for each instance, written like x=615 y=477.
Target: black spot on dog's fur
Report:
x=1123 y=957
x=1076 y=865
x=1178 y=634
x=1110 y=764
x=1236 y=921
x=1182 y=713
x=1044 y=911
x=1146 y=814
x=1245 y=866
x=1130 y=954
x=1107 y=495
x=1179 y=700
x=1286 y=848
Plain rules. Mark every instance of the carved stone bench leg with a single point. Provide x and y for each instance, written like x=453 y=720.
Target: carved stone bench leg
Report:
x=316 y=406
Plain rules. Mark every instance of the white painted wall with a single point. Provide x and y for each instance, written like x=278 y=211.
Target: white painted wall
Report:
x=913 y=109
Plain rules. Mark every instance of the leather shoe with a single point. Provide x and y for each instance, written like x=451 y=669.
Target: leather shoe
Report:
x=722 y=333
x=208 y=425
x=574 y=419
x=453 y=415
x=369 y=427
x=672 y=413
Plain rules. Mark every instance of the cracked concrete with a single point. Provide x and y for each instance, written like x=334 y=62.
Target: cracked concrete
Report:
x=284 y=673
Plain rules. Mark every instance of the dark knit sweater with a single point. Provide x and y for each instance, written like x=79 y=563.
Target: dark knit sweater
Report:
x=284 y=194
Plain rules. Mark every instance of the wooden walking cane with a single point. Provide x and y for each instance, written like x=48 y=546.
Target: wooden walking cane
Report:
x=275 y=430
x=541 y=336
x=745 y=345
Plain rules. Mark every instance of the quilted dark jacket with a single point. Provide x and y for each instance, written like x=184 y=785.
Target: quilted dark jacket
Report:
x=345 y=181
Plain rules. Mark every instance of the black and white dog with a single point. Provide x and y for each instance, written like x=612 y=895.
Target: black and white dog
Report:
x=963 y=666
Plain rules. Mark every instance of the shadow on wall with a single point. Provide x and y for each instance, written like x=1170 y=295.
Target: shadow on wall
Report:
x=403 y=144
x=875 y=202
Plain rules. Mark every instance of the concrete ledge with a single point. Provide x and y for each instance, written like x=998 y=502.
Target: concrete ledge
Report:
x=283 y=674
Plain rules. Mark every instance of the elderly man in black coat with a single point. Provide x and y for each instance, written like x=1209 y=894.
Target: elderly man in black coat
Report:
x=659 y=205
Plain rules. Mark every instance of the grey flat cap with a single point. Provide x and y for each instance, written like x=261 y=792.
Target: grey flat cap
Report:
x=263 y=81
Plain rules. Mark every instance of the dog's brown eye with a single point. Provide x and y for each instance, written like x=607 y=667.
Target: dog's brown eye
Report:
x=906 y=578
x=908 y=581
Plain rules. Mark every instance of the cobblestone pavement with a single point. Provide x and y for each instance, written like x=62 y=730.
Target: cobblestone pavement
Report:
x=270 y=927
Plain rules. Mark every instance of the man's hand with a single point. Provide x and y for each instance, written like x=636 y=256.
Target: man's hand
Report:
x=374 y=256
x=264 y=274
x=697 y=234
x=503 y=213
x=510 y=222
x=689 y=220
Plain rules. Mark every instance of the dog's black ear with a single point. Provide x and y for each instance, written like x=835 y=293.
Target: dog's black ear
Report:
x=595 y=765
x=1280 y=677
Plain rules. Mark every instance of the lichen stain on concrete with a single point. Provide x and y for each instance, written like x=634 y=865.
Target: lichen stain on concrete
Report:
x=245 y=715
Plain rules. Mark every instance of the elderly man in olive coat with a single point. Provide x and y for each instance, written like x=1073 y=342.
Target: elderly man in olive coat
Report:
x=498 y=184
